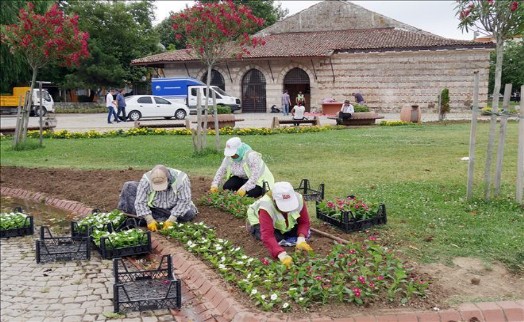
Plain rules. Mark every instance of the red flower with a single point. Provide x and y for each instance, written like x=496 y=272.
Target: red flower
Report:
x=265 y=261
x=356 y=291
x=514 y=6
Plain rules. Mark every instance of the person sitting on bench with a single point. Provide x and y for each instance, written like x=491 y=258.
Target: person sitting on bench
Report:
x=298 y=113
x=345 y=112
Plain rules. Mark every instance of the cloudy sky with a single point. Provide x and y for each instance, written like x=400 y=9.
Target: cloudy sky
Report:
x=437 y=17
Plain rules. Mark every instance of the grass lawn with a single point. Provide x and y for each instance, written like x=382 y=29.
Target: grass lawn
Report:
x=415 y=170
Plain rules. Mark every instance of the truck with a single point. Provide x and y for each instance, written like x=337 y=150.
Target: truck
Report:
x=185 y=90
x=9 y=103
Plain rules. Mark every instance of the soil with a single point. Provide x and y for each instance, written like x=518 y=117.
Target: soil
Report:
x=468 y=279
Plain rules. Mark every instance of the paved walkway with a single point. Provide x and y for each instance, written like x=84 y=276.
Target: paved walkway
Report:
x=82 y=291
x=98 y=122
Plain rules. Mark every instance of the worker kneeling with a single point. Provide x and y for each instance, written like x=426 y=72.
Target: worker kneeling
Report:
x=280 y=218
x=163 y=194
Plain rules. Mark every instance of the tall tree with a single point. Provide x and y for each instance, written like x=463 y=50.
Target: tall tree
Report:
x=268 y=10
x=215 y=31
x=41 y=39
x=501 y=19
x=15 y=69
x=120 y=32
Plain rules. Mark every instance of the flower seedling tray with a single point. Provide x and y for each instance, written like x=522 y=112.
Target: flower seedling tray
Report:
x=50 y=249
x=78 y=232
x=26 y=229
x=108 y=251
x=310 y=194
x=348 y=224
x=136 y=290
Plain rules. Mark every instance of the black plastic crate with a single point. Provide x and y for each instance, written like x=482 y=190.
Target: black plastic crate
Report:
x=17 y=232
x=107 y=250
x=49 y=248
x=348 y=224
x=310 y=194
x=136 y=290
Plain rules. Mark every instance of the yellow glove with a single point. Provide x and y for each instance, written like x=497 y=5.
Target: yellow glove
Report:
x=168 y=223
x=214 y=189
x=241 y=192
x=304 y=246
x=285 y=259
x=152 y=225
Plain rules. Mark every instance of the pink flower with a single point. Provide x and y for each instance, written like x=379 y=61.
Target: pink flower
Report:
x=380 y=278
x=265 y=261
x=356 y=291
x=514 y=6
x=362 y=279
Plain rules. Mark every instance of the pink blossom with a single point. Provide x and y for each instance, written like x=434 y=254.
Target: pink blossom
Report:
x=514 y=6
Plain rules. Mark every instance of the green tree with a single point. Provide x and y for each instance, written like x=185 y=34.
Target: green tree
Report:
x=512 y=66
x=15 y=69
x=120 y=32
x=215 y=31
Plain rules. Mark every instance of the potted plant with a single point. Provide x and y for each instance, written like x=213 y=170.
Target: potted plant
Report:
x=351 y=213
x=225 y=117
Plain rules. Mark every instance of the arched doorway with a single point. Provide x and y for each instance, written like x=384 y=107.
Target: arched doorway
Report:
x=297 y=80
x=216 y=79
x=254 y=92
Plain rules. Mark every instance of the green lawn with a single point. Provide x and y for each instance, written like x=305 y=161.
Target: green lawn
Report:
x=415 y=170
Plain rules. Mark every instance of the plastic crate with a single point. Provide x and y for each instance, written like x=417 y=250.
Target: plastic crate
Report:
x=310 y=194
x=49 y=248
x=107 y=251
x=349 y=225
x=145 y=290
x=17 y=232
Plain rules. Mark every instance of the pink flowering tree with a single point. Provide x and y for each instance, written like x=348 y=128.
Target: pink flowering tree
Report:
x=501 y=19
x=41 y=39
x=213 y=32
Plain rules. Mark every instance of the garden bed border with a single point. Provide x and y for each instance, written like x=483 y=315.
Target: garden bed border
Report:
x=217 y=305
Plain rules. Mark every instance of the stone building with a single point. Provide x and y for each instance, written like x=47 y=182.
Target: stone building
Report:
x=335 y=48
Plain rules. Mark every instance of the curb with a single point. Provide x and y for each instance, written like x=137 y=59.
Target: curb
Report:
x=215 y=303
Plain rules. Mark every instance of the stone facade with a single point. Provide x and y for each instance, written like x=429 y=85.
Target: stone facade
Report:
x=389 y=81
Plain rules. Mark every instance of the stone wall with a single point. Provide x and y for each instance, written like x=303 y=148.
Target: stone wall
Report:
x=388 y=81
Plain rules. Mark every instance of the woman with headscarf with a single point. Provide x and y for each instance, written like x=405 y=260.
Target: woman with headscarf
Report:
x=243 y=170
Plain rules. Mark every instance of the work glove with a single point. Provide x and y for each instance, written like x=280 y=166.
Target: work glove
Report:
x=302 y=245
x=285 y=259
x=152 y=225
x=169 y=222
x=214 y=189
x=241 y=192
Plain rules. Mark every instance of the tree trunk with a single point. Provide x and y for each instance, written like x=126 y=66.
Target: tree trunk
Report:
x=520 y=152
x=493 y=121
x=472 y=138
x=502 y=139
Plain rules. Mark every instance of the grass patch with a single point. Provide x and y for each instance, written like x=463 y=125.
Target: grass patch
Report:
x=415 y=170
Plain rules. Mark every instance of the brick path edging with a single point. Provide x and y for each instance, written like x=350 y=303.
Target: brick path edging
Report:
x=219 y=306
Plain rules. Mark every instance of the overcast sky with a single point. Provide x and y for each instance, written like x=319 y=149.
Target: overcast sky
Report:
x=437 y=17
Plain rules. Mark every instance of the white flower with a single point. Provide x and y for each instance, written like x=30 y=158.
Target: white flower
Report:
x=250 y=260
x=254 y=291
x=300 y=299
x=249 y=275
x=240 y=262
x=223 y=259
x=218 y=247
x=244 y=257
x=274 y=297
x=285 y=305
x=222 y=266
x=236 y=249
x=220 y=240
x=263 y=297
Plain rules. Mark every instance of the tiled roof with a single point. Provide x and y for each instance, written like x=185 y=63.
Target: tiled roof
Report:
x=325 y=43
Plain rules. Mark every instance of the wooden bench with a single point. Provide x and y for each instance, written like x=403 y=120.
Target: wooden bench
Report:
x=143 y=124
x=277 y=122
x=224 y=120
x=360 y=118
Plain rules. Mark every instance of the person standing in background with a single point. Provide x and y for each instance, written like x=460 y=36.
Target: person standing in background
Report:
x=111 y=105
x=286 y=103
x=121 y=103
x=300 y=100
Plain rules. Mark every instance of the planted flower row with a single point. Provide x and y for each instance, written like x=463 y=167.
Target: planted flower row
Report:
x=91 y=134
x=355 y=273
x=228 y=202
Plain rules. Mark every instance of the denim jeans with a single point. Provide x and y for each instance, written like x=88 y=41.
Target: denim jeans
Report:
x=285 y=109
x=111 y=111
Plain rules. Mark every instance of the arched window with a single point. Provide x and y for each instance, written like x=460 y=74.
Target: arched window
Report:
x=254 y=92
x=216 y=79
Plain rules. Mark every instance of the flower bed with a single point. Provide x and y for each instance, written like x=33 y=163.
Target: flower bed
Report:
x=15 y=224
x=122 y=243
x=228 y=202
x=351 y=214
x=358 y=273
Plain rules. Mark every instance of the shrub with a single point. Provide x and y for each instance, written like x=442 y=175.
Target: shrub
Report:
x=444 y=102
x=361 y=108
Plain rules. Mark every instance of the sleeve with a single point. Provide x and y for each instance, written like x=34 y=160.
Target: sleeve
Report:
x=254 y=162
x=267 y=234
x=141 y=207
x=303 y=222
x=183 y=202
x=219 y=175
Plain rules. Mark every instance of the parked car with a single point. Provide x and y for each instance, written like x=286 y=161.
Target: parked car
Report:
x=147 y=106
